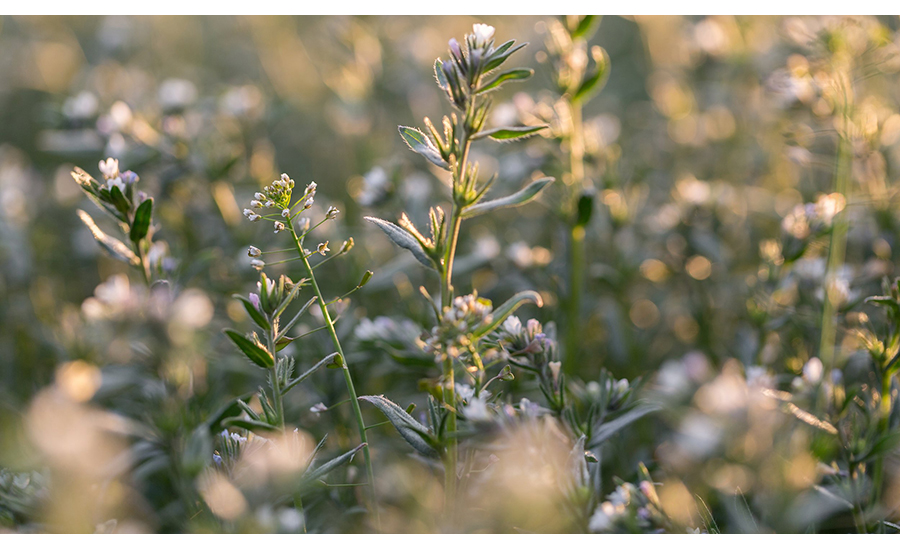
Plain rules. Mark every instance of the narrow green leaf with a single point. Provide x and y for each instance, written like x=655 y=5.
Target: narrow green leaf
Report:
x=114 y=247
x=290 y=325
x=118 y=200
x=596 y=80
x=419 y=142
x=509 y=133
x=501 y=313
x=516 y=199
x=586 y=26
x=439 y=75
x=501 y=54
x=328 y=360
x=408 y=427
x=325 y=469
x=585 y=210
x=247 y=424
x=403 y=239
x=141 y=224
x=254 y=313
x=500 y=79
x=255 y=353
x=609 y=429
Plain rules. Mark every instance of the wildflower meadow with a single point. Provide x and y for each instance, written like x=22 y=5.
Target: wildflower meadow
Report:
x=449 y=274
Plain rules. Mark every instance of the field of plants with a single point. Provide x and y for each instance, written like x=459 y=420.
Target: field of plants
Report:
x=504 y=274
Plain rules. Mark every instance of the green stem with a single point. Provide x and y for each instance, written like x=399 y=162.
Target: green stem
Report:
x=836 y=253
x=449 y=386
x=348 y=379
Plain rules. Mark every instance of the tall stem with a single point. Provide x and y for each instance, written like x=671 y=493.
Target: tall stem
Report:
x=348 y=379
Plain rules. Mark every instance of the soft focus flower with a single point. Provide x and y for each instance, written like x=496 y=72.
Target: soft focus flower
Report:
x=483 y=34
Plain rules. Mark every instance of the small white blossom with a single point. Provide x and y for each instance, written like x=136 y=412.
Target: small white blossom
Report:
x=308 y=204
x=318 y=408
x=256 y=204
x=251 y=215
x=286 y=213
x=257 y=264
x=109 y=168
x=332 y=213
x=254 y=252
x=259 y=196
x=303 y=224
x=483 y=34
x=270 y=204
x=279 y=227
x=323 y=248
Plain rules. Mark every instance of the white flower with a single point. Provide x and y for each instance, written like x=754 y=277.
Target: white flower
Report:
x=308 y=204
x=318 y=408
x=483 y=34
x=270 y=204
x=323 y=248
x=286 y=213
x=251 y=215
x=476 y=410
x=279 y=227
x=332 y=213
x=256 y=204
x=257 y=264
x=311 y=188
x=259 y=196
x=254 y=252
x=109 y=168
x=303 y=224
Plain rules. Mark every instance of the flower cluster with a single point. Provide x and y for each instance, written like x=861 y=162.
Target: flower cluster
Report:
x=629 y=508
x=457 y=323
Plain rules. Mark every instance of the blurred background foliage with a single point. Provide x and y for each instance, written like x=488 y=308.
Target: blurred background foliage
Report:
x=709 y=132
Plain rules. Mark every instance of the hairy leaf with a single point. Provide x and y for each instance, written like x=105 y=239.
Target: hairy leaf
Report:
x=509 y=133
x=325 y=469
x=521 y=197
x=328 y=360
x=403 y=239
x=254 y=313
x=500 y=79
x=255 y=353
x=501 y=313
x=114 y=247
x=410 y=429
x=420 y=143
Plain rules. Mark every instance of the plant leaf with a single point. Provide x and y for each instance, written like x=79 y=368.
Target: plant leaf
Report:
x=114 y=247
x=501 y=313
x=329 y=359
x=512 y=74
x=586 y=26
x=325 y=469
x=118 y=199
x=247 y=424
x=142 y=218
x=419 y=142
x=410 y=429
x=258 y=355
x=509 y=133
x=439 y=75
x=609 y=429
x=254 y=313
x=403 y=239
x=520 y=197
x=597 y=80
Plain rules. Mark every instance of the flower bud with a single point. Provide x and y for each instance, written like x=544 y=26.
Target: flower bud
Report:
x=254 y=252
x=279 y=227
x=257 y=264
x=332 y=213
